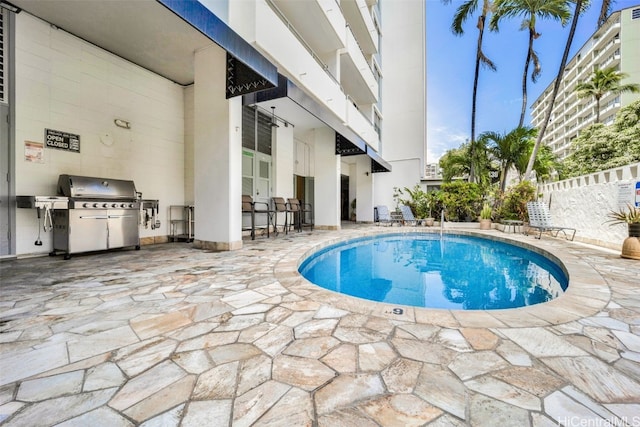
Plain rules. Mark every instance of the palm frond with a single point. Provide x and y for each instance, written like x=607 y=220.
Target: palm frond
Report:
x=605 y=8
x=537 y=67
x=486 y=62
x=463 y=12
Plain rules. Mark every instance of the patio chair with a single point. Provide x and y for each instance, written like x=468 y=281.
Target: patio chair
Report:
x=251 y=208
x=306 y=215
x=301 y=214
x=407 y=215
x=540 y=219
x=381 y=216
x=279 y=206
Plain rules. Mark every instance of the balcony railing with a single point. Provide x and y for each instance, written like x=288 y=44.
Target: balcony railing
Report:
x=301 y=39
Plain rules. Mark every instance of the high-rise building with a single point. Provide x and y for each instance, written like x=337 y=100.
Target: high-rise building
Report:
x=614 y=44
x=321 y=100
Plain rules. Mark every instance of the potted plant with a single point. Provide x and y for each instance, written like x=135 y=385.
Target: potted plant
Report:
x=485 y=217
x=631 y=217
x=353 y=210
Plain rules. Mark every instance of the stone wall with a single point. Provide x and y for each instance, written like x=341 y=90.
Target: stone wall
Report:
x=584 y=202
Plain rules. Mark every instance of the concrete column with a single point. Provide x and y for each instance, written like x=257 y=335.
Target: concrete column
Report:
x=217 y=155
x=282 y=154
x=364 y=189
x=327 y=181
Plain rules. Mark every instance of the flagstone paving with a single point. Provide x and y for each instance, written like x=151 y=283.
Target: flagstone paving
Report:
x=175 y=336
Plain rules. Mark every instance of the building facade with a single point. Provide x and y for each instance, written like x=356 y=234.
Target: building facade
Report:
x=614 y=44
x=221 y=98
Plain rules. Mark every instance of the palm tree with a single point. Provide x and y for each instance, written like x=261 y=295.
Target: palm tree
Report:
x=556 y=86
x=462 y=14
x=530 y=11
x=605 y=7
x=509 y=148
x=602 y=82
x=455 y=163
x=545 y=162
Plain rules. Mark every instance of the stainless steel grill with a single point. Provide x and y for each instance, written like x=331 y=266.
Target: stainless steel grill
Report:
x=90 y=214
x=102 y=214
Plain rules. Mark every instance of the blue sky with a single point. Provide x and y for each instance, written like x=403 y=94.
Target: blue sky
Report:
x=450 y=66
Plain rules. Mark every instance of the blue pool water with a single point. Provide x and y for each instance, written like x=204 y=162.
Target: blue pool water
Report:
x=425 y=270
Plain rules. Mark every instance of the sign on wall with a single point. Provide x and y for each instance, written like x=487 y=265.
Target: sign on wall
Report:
x=62 y=140
x=33 y=151
x=628 y=194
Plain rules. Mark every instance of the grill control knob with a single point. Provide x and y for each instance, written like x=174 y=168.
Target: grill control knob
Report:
x=114 y=205
x=95 y=205
x=105 y=205
x=124 y=205
x=130 y=205
x=85 y=205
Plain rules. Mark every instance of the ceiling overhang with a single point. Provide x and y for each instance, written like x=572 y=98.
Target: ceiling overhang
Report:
x=348 y=143
x=158 y=35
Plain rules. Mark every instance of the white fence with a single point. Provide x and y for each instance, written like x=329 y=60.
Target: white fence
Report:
x=584 y=202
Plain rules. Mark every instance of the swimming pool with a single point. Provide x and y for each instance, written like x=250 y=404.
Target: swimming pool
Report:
x=427 y=270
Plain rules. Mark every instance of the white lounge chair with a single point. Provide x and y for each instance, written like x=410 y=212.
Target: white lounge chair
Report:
x=407 y=216
x=540 y=219
x=382 y=215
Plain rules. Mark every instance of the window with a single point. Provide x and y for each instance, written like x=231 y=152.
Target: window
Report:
x=256 y=153
x=256 y=130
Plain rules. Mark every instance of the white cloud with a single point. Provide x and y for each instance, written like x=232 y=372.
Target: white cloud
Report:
x=440 y=139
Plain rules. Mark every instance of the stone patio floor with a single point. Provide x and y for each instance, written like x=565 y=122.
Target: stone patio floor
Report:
x=175 y=336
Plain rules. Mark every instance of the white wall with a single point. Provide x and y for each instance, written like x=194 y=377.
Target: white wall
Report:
x=189 y=177
x=404 y=84
x=364 y=183
x=326 y=180
x=584 y=202
x=283 y=162
x=66 y=84
x=403 y=175
x=217 y=155
x=404 y=110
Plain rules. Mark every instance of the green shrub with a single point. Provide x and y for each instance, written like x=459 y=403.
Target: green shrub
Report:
x=514 y=201
x=461 y=200
x=419 y=201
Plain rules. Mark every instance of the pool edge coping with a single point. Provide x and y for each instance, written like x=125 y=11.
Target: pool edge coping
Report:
x=587 y=293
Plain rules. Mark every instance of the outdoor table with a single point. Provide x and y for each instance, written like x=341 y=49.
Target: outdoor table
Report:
x=511 y=223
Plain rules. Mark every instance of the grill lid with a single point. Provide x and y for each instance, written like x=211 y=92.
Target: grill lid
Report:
x=86 y=187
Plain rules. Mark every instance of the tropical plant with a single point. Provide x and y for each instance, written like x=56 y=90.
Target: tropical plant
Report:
x=465 y=11
x=418 y=201
x=544 y=164
x=461 y=200
x=530 y=11
x=600 y=147
x=602 y=82
x=513 y=202
x=486 y=211
x=481 y=162
x=508 y=148
x=578 y=9
x=628 y=215
x=397 y=194
x=455 y=163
